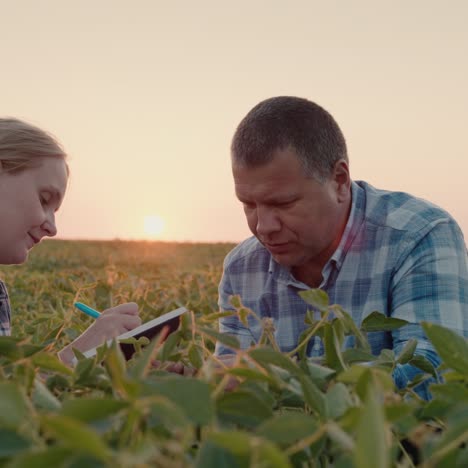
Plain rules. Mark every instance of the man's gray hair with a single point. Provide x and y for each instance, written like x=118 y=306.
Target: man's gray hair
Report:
x=286 y=122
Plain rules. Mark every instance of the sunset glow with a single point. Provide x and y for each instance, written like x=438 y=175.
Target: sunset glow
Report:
x=145 y=99
x=153 y=225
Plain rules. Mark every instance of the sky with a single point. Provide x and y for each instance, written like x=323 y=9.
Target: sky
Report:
x=146 y=95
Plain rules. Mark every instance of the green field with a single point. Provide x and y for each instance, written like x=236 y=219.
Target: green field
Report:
x=158 y=276
x=285 y=410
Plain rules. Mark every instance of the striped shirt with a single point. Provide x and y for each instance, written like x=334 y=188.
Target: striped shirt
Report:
x=4 y=311
x=399 y=255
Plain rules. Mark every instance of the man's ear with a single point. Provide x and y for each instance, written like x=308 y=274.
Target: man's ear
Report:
x=342 y=180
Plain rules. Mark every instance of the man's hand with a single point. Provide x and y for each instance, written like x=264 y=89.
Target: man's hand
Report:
x=228 y=360
x=112 y=322
x=175 y=368
x=225 y=360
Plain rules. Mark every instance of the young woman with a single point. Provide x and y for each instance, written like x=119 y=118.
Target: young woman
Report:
x=33 y=180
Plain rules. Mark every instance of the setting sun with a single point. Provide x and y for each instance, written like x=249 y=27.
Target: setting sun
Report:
x=153 y=225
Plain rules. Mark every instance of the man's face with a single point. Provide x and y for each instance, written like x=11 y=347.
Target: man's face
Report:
x=298 y=219
x=28 y=202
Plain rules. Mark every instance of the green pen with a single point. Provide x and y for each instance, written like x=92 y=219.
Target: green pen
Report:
x=87 y=310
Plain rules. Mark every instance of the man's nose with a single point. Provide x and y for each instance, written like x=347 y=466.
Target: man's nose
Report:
x=267 y=222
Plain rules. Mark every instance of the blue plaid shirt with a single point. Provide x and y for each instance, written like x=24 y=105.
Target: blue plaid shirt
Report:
x=399 y=255
x=4 y=311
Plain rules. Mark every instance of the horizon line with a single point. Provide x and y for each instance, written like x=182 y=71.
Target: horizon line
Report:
x=122 y=239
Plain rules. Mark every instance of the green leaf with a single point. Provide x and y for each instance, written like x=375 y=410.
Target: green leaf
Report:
x=29 y=349
x=371 y=447
x=267 y=454
x=462 y=457
x=43 y=398
x=237 y=442
x=316 y=298
x=383 y=379
x=377 y=377
x=50 y=457
x=192 y=396
x=15 y=348
x=12 y=443
x=339 y=329
x=225 y=339
x=353 y=374
x=243 y=314
x=215 y=316
x=195 y=356
x=241 y=450
x=235 y=301
x=320 y=375
x=85 y=461
x=169 y=346
x=211 y=455
x=380 y=322
x=354 y=355
x=314 y=397
x=9 y=347
x=455 y=434
x=242 y=407
x=250 y=374
x=14 y=408
x=142 y=363
x=103 y=296
x=333 y=356
x=54 y=333
x=115 y=365
x=343 y=461
x=340 y=437
x=407 y=352
x=424 y=364
x=83 y=368
x=338 y=400
x=385 y=359
x=290 y=398
x=268 y=356
x=397 y=411
x=260 y=390
x=287 y=428
x=436 y=408
x=51 y=362
x=351 y=327
x=92 y=409
x=76 y=435
x=453 y=391
x=451 y=375
x=165 y=413
x=450 y=346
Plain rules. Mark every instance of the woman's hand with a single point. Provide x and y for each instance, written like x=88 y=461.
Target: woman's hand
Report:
x=112 y=322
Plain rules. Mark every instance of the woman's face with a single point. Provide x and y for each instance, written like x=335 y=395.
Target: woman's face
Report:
x=28 y=202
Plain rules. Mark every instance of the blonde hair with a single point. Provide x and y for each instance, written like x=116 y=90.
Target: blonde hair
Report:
x=23 y=145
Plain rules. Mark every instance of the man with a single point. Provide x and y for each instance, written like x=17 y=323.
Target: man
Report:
x=370 y=250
